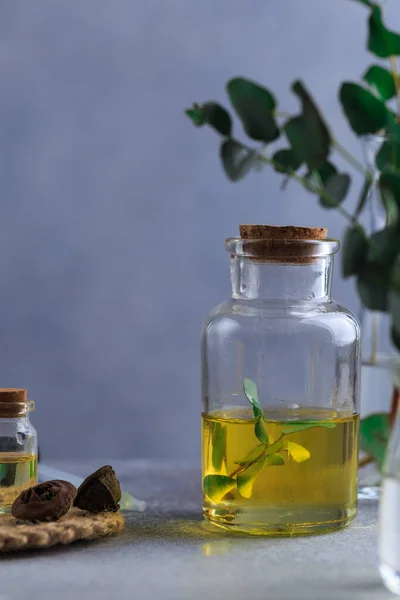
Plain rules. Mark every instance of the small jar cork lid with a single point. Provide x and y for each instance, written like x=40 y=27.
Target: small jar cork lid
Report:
x=288 y=244
x=277 y=232
x=14 y=402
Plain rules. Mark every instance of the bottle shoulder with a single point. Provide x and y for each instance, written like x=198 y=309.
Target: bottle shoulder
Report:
x=233 y=315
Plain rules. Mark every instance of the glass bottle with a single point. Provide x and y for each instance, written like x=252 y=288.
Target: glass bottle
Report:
x=389 y=523
x=380 y=366
x=280 y=375
x=18 y=446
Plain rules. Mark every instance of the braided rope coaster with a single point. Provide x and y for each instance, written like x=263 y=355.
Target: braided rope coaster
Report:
x=75 y=525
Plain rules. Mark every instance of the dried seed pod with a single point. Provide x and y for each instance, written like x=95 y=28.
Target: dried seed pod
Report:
x=47 y=501
x=99 y=492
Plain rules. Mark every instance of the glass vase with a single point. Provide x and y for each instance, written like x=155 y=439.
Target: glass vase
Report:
x=389 y=524
x=380 y=365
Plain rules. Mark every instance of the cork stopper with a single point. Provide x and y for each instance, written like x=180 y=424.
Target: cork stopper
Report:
x=13 y=402
x=275 y=232
x=272 y=243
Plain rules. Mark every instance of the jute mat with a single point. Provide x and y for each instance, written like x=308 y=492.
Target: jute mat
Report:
x=75 y=525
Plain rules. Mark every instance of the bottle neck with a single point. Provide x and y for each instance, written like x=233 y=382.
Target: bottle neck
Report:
x=303 y=282
x=15 y=420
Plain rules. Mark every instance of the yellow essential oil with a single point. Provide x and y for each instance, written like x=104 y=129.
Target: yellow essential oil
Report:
x=285 y=473
x=18 y=471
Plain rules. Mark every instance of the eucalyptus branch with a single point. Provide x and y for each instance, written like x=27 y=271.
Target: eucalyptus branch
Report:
x=351 y=160
x=320 y=191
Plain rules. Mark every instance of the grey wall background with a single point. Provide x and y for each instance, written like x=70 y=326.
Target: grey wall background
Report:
x=114 y=209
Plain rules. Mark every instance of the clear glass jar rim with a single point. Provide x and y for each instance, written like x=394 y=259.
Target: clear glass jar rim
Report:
x=284 y=248
x=11 y=409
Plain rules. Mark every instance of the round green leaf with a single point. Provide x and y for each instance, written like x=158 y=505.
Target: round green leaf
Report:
x=318 y=138
x=373 y=285
x=216 y=116
x=237 y=160
x=336 y=186
x=218 y=436
x=374 y=436
x=389 y=185
x=388 y=155
x=354 y=251
x=260 y=430
x=326 y=171
x=392 y=125
x=285 y=161
x=307 y=133
x=302 y=426
x=251 y=393
x=296 y=451
x=217 y=486
x=196 y=114
x=366 y=113
x=381 y=41
x=381 y=80
x=212 y=114
x=254 y=106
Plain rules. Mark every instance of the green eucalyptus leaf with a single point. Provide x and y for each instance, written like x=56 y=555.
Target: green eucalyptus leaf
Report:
x=285 y=161
x=373 y=284
x=252 y=455
x=354 y=251
x=296 y=451
x=326 y=171
x=307 y=133
x=392 y=126
x=213 y=114
x=388 y=155
x=251 y=393
x=365 y=112
x=219 y=118
x=389 y=185
x=217 y=486
x=381 y=41
x=364 y=195
x=237 y=160
x=196 y=114
x=254 y=106
x=218 y=437
x=260 y=430
x=297 y=427
x=381 y=80
x=246 y=479
x=336 y=186
x=318 y=135
x=374 y=435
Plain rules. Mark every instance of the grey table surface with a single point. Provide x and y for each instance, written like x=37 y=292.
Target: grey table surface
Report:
x=167 y=553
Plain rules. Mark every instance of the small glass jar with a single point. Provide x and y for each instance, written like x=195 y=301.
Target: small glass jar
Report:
x=380 y=360
x=280 y=388
x=18 y=446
